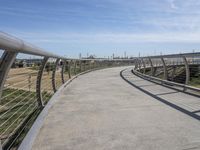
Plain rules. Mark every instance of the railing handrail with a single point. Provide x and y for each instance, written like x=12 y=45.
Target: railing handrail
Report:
x=174 y=55
x=12 y=43
x=167 y=82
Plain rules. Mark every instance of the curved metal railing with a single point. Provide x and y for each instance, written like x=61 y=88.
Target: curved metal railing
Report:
x=181 y=71
x=27 y=84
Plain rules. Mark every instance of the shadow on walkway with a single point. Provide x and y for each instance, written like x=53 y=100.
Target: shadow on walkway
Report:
x=156 y=96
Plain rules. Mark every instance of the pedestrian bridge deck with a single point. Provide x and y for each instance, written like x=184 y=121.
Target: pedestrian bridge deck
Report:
x=101 y=111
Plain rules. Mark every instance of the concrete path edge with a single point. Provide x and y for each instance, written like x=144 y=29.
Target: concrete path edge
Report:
x=34 y=130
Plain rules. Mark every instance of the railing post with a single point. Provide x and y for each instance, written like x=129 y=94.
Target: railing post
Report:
x=97 y=64
x=152 y=68
x=90 y=65
x=139 y=62
x=80 y=65
x=187 y=70
x=93 y=64
x=39 y=81
x=69 y=69
x=165 y=68
x=75 y=65
x=173 y=72
x=8 y=59
x=144 y=65
x=136 y=64
x=54 y=75
x=63 y=71
x=84 y=66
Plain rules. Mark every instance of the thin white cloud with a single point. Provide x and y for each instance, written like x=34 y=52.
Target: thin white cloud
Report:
x=111 y=38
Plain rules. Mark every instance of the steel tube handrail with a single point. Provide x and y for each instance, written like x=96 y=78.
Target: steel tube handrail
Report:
x=12 y=43
x=174 y=55
x=184 y=86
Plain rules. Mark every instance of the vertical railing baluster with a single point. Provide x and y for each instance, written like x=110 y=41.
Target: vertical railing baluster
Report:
x=7 y=60
x=54 y=75
x=144 y=65
x=84 y=66
x=151 y=64
x=173 y=72
x=136 y=64
x=165 y=68
x=39 y=82
x=75 y=66
x=69 y=68
x=187 y=70
x=80 y=65
x=63 y=71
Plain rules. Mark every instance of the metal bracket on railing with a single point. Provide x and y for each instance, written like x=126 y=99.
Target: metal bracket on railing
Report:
x=187 y=70
x=8 y=59
x=54 y=75
x=39 y=81
x=165 y=68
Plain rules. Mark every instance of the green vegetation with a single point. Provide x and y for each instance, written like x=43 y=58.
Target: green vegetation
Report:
x=195 y=81
x=16 y=108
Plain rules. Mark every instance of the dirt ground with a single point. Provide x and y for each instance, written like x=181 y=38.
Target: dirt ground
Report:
x=25 y=78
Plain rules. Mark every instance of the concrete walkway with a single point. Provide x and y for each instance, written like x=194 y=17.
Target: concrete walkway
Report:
x=101 y=111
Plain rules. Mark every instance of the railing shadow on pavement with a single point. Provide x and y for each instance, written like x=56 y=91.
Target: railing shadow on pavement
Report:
x=158 y=97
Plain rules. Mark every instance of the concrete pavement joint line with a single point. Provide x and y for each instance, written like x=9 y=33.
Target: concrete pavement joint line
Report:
x=191 y=114
x=33 y=132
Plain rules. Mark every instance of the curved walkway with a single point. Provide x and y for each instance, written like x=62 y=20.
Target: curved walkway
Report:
x=101 y=111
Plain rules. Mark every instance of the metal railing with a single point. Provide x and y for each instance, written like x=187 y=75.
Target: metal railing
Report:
x=181 y=71
x=27 y=84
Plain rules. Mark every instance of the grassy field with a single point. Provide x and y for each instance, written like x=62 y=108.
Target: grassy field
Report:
x=19 y=100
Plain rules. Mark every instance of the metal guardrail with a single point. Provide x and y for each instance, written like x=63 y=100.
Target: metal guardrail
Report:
x=25 y=90
x=174 y=70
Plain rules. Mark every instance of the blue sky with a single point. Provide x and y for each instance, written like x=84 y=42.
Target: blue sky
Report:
x=104 y=27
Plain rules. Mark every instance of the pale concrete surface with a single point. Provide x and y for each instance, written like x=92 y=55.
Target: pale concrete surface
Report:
x=100 y=111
